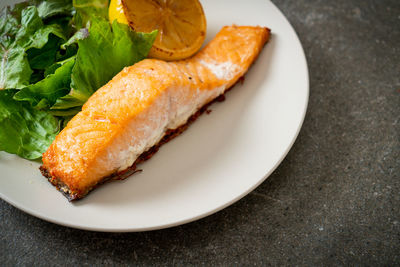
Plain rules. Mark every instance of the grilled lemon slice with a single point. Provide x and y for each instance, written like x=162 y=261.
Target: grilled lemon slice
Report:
x=181 y=24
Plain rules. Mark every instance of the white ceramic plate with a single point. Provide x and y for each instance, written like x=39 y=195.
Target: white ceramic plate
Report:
x=222 y=157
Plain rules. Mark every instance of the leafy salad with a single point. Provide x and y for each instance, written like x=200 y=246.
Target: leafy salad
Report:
x=54 y=55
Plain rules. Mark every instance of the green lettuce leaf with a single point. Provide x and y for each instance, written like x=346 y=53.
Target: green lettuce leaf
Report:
x=44 y=57
x=46 y=8
x=107 y=50
x=88 y=9
x=25 y=131
x=16 y=37
x=33 y=32
x=50 y=8
x=79 y=35
x=14 y=69
x=44 y=93
x=18 y=7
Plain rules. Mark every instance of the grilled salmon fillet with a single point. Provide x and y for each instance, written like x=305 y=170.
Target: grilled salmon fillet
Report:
x=142 y=104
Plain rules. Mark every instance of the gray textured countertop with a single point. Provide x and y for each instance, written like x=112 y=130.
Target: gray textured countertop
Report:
x=334 y=200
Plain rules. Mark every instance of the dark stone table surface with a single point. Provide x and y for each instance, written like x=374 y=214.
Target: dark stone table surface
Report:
x=334 y=200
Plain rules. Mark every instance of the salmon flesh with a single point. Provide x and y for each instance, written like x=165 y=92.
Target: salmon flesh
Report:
x=144 y=105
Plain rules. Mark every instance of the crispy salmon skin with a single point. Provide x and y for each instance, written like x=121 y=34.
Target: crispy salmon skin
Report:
x=134 y=111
